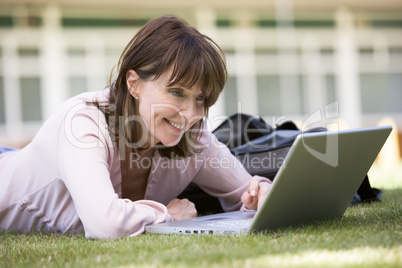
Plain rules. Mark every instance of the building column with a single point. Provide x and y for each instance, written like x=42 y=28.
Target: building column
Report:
x=205 y=23
x=11 y=83
x=314 y=82
x=347 y=71
x=245 y=65
x=246 y=73
x=95 y=62
x=53 y=64
x=288 y=70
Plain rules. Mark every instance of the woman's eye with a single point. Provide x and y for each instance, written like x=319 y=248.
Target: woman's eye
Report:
x=201 y=98
x=176 y=93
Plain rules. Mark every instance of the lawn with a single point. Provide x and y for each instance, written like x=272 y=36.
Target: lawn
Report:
x=367 y=236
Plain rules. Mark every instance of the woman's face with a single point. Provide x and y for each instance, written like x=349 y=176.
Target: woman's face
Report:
x=167 y=112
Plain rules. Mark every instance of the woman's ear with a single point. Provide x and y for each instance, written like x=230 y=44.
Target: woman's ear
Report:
x=132 y=80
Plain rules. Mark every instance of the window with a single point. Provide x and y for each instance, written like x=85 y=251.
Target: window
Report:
x=330 y=86
x=77 y=85
x=2 y=100
x=231 y=96
x=268 y=95
x=381 y=93
x=31 y=99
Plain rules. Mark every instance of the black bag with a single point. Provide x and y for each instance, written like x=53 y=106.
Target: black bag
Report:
x=251 y=138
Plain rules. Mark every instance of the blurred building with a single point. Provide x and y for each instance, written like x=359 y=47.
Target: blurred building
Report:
x=316 y=62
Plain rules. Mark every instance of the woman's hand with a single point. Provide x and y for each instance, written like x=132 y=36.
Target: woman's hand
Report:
x=253 y=197
x=181 y=209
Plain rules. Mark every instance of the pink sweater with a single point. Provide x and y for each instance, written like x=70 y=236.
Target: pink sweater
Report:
x=68 y=178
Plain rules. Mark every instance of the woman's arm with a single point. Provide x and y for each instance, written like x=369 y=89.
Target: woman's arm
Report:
x=85 y=158
x=222 y=175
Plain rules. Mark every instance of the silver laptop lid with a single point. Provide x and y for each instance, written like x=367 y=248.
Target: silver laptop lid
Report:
x=319 y=177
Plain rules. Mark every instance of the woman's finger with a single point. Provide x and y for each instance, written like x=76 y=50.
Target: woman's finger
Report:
x=263 y=190
x=253 y=186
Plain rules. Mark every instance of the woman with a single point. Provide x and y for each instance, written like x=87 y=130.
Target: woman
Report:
x=110 y=162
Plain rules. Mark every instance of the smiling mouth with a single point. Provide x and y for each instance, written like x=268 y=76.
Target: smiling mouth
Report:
x=175 y=124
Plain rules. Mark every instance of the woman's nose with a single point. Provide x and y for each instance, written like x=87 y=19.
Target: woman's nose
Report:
x=188 y=111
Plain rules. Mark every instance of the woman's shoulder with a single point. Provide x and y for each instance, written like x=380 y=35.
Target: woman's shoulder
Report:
x=83 y=124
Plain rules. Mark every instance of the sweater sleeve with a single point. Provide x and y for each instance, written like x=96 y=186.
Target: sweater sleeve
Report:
x=85 y=154
x=222 y=175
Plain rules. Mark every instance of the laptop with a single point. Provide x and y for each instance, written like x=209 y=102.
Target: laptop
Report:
x=317 y=180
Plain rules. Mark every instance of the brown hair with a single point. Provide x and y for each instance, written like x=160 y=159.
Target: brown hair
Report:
x=163 y=43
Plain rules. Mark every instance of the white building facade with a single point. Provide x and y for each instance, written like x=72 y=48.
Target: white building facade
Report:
x=287 y=60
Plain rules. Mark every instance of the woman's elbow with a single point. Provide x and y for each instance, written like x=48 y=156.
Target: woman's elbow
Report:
x=106 y=230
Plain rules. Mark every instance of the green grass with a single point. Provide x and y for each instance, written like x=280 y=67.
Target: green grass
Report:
x=367 y=236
